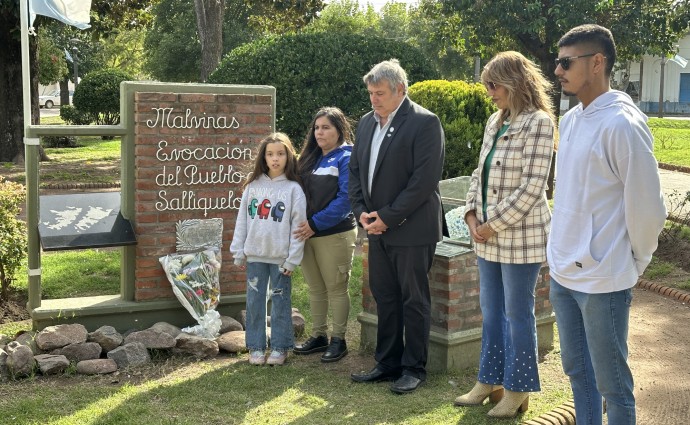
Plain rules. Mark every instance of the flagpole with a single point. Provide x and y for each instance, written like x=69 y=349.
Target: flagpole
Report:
x=31 y=154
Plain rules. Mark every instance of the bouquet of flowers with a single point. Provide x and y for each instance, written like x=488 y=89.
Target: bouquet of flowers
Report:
x=195 y=281
x=457 y=229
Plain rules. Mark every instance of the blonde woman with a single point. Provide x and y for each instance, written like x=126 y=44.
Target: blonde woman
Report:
x=509 y=220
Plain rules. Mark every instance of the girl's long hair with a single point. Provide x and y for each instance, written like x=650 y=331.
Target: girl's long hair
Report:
x=311 y=151
x=260 y=166
x=527 y=87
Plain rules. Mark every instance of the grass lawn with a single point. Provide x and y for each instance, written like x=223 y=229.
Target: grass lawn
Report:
x=228 y=390
x=671 y=140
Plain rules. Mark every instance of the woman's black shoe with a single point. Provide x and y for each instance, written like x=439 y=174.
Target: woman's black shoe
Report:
x=313 y=344
x=336 y=350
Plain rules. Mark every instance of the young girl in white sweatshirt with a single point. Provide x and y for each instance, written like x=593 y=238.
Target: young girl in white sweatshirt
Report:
x=273 y=203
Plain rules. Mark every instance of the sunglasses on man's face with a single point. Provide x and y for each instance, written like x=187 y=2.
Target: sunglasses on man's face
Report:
x=565 y=62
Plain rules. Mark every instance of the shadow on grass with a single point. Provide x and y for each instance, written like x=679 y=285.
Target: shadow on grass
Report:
x=228 y=390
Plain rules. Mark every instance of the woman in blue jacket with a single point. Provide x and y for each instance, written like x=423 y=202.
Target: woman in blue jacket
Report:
x=330 y=230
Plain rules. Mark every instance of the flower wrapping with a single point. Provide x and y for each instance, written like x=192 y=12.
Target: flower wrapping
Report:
x=457 y=228
x=194 y=278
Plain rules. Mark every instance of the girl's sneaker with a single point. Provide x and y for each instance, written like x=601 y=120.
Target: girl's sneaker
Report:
x=277 y=358
x=257 y=358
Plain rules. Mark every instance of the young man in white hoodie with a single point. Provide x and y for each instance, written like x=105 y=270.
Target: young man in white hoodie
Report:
x=608 y=213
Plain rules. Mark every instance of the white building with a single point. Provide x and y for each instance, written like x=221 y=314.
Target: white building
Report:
x=676 y=81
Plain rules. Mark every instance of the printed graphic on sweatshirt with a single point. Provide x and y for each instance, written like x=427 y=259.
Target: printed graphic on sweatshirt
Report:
x=271 y=205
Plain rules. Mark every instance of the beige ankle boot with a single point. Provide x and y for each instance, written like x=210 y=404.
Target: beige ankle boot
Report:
x=479 y=393
x=511 y=403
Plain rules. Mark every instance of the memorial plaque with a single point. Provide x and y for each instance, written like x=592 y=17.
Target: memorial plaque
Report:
x=197 y=234
x=86 y=220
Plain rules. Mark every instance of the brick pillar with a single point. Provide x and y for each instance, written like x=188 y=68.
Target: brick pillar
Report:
x=456 y=318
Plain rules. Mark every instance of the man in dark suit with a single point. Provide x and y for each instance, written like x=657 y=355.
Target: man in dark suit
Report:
x=395 y=168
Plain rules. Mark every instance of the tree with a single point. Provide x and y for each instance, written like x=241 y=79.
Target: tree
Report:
x=283 y=16
x=444 y=38
x=171 y=38
x=11 y=94
x=536 y=25
x=441 y=37
x=106 y=17
x=209 y=23
x=345 y=16
x=51 y=61
x=288 y=64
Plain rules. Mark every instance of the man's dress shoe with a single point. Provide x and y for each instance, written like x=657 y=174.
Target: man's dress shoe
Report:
x=406 y=384
x=375 y=375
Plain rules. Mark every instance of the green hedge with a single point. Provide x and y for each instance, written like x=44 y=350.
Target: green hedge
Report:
x=310 y=71
x=463 y=110
x=98 y=95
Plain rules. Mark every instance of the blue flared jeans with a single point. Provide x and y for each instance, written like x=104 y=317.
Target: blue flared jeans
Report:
x=259 y=277
x=509 y=329
x=593 y=330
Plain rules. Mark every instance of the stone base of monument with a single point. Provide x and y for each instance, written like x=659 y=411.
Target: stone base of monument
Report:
x=93 y=312
x=456 y=321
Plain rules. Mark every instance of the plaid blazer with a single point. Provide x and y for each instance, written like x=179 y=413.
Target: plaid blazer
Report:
x=516 y=193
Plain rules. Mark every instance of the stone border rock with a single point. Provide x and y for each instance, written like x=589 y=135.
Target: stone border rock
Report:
x=68 y=186
x=676 y=294
x=51 y=350
x=561 y=415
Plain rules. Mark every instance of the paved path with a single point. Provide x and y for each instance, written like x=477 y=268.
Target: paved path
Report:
x=659 y=358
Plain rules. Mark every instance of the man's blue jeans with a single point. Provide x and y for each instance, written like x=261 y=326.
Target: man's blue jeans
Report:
x=509 y=328
x=593 y=329
x=282 y=334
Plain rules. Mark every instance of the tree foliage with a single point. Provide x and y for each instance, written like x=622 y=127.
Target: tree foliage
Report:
x=171 y=36
x=51 y=62
x=13 y=239
x=107 y=17
x=312 y=70
x=535 y=26
x=441 y=37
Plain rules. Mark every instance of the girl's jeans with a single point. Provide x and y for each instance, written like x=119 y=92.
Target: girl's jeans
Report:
x=282 y=334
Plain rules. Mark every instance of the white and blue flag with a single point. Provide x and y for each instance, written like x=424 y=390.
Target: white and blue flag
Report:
x=71 y=12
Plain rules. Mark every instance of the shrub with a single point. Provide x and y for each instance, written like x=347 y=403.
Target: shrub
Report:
x=98 y=94
x=463 y=110
x=310 y=71
x=72 y=116
x=13 y=242
x=59 y=141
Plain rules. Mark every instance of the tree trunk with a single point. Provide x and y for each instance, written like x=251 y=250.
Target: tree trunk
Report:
x=64 y=91
x=549 y=68
x=209 y=21
x=11 y=97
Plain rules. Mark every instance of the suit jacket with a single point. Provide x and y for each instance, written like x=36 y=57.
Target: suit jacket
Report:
x=516 y=194
x=404 y=189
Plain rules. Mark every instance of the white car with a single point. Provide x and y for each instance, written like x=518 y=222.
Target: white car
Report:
x=51 y=99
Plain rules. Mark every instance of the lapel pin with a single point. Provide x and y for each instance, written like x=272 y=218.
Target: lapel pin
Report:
x=391 y=129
